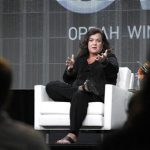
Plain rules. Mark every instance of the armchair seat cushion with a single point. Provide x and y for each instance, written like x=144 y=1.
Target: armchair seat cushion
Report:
x=57 y=114
x=62 y=108
x=57 y=120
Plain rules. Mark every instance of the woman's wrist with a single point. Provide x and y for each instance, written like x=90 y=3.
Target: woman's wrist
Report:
x=69 y=70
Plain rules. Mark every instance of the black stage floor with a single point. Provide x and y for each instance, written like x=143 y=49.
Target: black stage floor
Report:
x=73 y=147
x=86 y=140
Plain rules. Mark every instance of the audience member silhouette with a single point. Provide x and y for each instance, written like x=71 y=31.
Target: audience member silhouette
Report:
x=135 y=133
x=14 y=135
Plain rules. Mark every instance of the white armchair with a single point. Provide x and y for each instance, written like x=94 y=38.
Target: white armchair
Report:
x=111 y=114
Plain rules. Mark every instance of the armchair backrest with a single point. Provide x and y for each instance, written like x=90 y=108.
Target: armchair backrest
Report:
x=125 y=78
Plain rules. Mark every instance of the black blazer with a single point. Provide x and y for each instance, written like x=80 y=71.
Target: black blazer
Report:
x=99 y=72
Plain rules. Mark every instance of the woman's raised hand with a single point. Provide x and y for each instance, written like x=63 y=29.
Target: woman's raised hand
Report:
x=103 y=56
x=70 y=62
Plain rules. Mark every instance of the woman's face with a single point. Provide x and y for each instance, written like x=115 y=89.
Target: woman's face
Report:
x=95 y=43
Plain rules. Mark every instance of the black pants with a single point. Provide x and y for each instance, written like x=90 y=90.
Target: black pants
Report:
x=60 y=91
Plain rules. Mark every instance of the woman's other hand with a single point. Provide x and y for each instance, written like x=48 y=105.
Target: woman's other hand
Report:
x=70 y=62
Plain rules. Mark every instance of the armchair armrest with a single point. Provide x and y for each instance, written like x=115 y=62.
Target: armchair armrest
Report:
x=40 y=96
x=40 y=93
x=115 y=106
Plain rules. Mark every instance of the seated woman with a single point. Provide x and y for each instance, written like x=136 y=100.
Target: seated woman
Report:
x=84 y=79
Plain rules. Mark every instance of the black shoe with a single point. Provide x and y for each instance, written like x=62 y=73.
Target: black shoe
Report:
x=90 y=87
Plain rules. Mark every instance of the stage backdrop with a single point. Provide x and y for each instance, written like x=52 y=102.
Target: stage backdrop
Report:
x=37 y=36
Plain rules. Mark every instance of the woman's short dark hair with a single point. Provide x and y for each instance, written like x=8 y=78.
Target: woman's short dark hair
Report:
x=84 y=43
